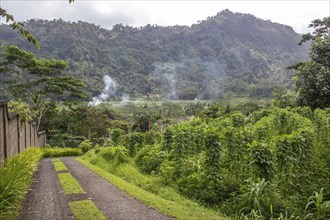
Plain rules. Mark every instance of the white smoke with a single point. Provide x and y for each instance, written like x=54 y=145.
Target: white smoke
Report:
x=109 y=89
x=172 y=80
x=124 y=98
x=165 y=75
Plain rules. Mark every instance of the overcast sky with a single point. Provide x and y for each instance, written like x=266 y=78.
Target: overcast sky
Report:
x=106 y=13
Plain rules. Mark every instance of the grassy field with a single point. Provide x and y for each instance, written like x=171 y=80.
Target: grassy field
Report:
x=232 y=102
x=142 y=102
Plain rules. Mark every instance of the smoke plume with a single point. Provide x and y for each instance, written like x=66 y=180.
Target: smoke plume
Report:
x=109 y=89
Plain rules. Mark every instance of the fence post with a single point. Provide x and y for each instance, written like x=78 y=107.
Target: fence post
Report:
x=5 y=124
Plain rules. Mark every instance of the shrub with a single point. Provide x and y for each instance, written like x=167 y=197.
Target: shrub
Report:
x=134 y=141
x=118 y=154
x=152 y=137
x=85 y=146
x=149 y=158
x=115 y=135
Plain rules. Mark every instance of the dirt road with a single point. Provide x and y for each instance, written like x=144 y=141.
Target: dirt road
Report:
x=46 y=199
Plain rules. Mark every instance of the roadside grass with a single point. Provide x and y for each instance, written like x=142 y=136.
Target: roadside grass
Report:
x=165 y=199
x=60 y=152
x=69 y=184
x=15 y=179
x=59 y=165
x=86 y=210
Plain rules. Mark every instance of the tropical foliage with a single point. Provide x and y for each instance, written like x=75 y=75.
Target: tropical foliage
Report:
x=37 y=81
x=266 y=165
x=312 y=78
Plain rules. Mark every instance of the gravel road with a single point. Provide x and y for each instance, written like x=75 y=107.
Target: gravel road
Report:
x=46 y=199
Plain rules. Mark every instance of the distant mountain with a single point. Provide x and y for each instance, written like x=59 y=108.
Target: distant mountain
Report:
x=230 y=53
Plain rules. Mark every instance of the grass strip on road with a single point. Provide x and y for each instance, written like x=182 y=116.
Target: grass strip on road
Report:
x=86 y=210
x=170 y=208
x=59 y=165
x=69 y=184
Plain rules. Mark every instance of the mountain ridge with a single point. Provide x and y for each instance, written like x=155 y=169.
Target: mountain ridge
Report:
x=229 y=53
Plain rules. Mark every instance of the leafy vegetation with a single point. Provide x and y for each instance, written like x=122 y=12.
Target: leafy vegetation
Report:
x=166 y=201
x=85 y=209
x=22 y=109
x=69 y=184
x=312 y=78
x=37 y=81
x=16 y=177
x=265 y=165
x=19 y=27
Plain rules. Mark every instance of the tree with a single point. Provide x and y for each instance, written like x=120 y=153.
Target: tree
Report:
x=20 y=27
x=312 y=78
x=38 y=81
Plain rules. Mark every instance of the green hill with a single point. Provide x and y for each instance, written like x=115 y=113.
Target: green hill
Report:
x=230 y=53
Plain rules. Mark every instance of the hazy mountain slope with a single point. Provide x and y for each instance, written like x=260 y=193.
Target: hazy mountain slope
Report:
x=227 y=53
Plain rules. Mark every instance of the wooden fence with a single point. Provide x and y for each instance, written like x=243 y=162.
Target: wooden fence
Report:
x=16 y=137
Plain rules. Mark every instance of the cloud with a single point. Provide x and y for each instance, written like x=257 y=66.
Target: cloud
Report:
x=297 y=14
x=84 y=11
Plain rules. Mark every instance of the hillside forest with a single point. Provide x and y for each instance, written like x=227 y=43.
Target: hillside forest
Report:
x=230 y=113
x=226 y=55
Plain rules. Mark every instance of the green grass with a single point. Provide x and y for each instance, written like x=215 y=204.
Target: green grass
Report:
x=59 y=165
x=69 y=184
x=85 y=210
x=61 y=152
x=15 y=179
x=167 y=201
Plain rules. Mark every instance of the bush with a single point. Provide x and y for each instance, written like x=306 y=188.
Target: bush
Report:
x=153 y=137
x=115 y=136
x=16 y=177
x=85 y=146
x=149 y=158
x=134 y=141
x=118 y=154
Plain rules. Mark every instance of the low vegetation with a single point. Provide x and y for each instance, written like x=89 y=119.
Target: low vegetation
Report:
x=264 y=165
x=60 y=152
x=162 y=198
x=15 y=179
x=85 y=209
x=69 y=184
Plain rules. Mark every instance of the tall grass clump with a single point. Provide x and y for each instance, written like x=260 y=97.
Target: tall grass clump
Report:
x=15 y=179
x=60 y=152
